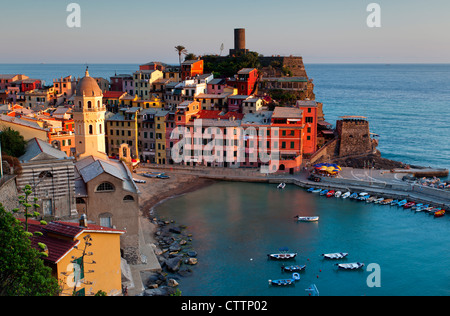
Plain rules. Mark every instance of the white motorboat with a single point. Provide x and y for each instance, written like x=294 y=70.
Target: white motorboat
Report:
x=338 y=194
x=307 y=218
x=281 y=185
x=336 y=255
x=350 y=266
x=346 y=195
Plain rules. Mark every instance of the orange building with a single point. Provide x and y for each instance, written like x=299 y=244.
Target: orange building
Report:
x=309 y=135
x=191 y=68
x=63 y=140
x=84 y=258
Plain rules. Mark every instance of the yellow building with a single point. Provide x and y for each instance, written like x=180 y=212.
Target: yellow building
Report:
x=122 y=128
x=152 y=103
x=160 y=137
x=84 y=258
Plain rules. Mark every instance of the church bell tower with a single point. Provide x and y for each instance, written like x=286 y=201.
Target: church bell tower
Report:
x=89 y=118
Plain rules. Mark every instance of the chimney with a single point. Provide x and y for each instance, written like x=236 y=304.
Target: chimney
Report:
x=83 y=220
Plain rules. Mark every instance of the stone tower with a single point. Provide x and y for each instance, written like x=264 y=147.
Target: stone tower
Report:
x=89 y=119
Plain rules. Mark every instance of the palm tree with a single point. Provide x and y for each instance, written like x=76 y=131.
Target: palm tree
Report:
x=181 y=50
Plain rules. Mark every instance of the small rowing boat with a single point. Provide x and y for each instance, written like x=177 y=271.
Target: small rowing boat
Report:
x=285 y=282
x=350 y=266
x=439 y=213
x=345 y=195
x=338 y=194
x=283 y=254
x=281 y=185
x=336 y=255
x=293 y=268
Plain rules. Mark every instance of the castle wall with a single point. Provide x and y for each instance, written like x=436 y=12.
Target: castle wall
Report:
x=354 y=137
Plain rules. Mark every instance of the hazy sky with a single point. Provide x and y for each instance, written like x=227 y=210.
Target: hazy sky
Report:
x=138 y=31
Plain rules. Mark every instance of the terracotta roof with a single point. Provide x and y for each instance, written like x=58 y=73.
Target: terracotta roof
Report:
x=113 y=94
x=59 y=237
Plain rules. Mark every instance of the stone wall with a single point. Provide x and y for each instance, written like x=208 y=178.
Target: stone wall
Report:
x=8 y=192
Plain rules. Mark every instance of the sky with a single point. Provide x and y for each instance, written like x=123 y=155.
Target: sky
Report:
x=139 y=31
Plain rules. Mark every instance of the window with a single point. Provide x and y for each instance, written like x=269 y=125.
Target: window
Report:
x=89 y=105
x=91 y=130
x=128 y=198
x=106 y=220
x=105 y=187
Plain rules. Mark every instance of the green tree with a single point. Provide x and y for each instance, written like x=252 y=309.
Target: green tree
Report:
x=13 y=144
x=22 y=272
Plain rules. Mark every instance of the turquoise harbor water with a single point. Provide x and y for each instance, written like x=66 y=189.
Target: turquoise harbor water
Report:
x=235 y=226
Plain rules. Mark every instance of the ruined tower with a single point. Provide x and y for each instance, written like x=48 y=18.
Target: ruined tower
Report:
x=239 y=42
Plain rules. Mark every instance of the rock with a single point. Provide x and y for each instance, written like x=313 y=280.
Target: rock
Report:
x=173 y=264
x=183 y=242
x=172 y=283
x=175 y=230
x=175 y=247
x=192 y=261
x=161 y=291
x=192 y=253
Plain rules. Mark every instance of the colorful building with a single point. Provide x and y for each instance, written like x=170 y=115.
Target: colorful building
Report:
x=191 y=68
x=84 y=258
x=245 y=81
x=122 y=128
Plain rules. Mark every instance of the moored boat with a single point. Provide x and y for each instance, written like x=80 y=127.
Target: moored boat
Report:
x=323 y=192
x=281 y=185
x=346 y=195
x=415 y=206
x=285 y=282
x=386 y=202
x=394 y=202
x=402 y=202
x=353 y=195
x=330 y=193
x=379 y=200
x=317 y=190
x=371 y=199
x=282 y=255
x=439 y=213
x=296 y=268
x=409 y=205
x=350 y=266
x=338 y=194
x=336 y=255
x=310 y=190
x=307 y=218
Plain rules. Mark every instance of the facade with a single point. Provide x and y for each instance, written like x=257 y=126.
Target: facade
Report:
x=122 y=128
x=143 y=82
x=99 y=270
x=245 y=81
x=50 y=172
x=191 y=68
x=310 y=111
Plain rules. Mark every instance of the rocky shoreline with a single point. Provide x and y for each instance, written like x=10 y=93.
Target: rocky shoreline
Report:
x=176 y=256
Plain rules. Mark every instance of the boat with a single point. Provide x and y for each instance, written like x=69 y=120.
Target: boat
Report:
x=346 y=195
x=313 y=291
x=310 y=190
x=330 y=193
x=307 y=218
x=409 y=205
x=377 y=201
x=281 y=185
x=371 y=199
x=338 y=194
x=422 y=208
x=323 y=192
x=293 y=268
x=386 y=202
x=439 y=213
x=363 y=194
x=394 y=202
x=284 y=282
x=282 y=255
x=353 y=195
x=363 y=198
x=337 y=255
x=414 y=207
x=402 y=202
x=350 y=266
x=428 y=209
x=316 y=190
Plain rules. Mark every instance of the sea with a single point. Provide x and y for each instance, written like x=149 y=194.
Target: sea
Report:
x=235 y=225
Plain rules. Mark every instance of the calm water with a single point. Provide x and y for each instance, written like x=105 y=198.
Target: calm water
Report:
x=235 y=225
